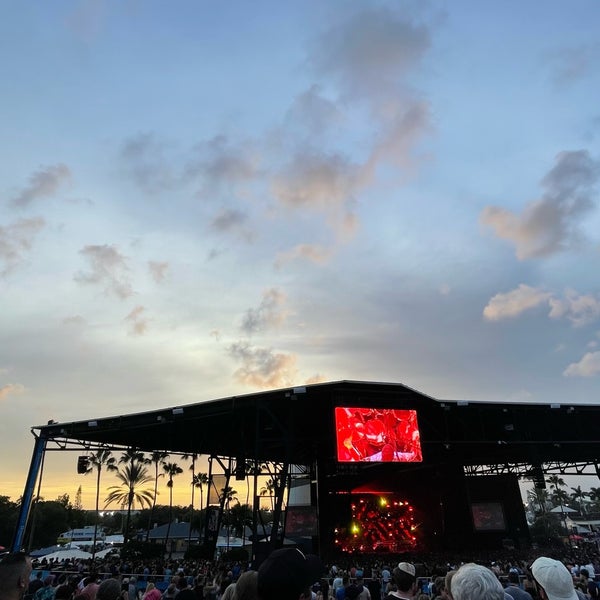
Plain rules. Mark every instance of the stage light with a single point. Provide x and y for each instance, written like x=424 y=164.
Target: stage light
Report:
x=382 y=501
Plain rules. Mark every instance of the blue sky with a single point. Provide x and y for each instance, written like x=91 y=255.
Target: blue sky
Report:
x=204 y=199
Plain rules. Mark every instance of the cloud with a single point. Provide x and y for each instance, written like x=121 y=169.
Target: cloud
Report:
x=109 y=268
x=220 y=162
x=43 y=183
x=10 y=389
x=74 y=321
x=370 y=52
x=143 y=157
x=16 y=240
x=312 y=112
x=316 y=378
x=269 y=313
x=138 y=324
x=569 y=65
x=514 y=303
x=588 y=366
x=580 y=309
x=158 y=270
x=263 y=368
x=232 y=220
x=550 y=224
x=312 y=252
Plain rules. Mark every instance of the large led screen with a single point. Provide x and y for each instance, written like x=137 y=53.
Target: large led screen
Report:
x=377 y=435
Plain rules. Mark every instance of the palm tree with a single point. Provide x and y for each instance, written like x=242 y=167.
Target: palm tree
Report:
x=578 y=495
x=157 y=458
x=133 y=458
x=97 y=460
x=171 y=469
x=200 y=480
x=226 y=496
x=268 y=490
x=192 y=457
x=556 y=484
x=594 y=496
x=538 y=497
x=127 y=494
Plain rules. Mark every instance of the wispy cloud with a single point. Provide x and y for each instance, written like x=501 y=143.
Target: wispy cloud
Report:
x=312 y=252
x=45 y=182
x=138 y=324
x=514 y=303
x=11 y=389
x=550 y=224
x=16 y=240
x=588 y=366
x=262 y=367
x=579 y=309
x=108 y=267
x=571 y=64
x=158 y=270
x=143 y=157
x=271 y=312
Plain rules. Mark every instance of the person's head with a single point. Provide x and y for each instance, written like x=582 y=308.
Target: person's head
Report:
x=245 y=587
x=584 y=573
x=404 y=577
x=553 y=579
x=513 y=577
x=109 y=589
x=63 y=592
x=150 y=586
x=15 y=570
x=447 y=593
x=353 y=591
x=475 y=582
x=287 y=574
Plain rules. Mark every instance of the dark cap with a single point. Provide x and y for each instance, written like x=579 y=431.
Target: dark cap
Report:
x=286 y=573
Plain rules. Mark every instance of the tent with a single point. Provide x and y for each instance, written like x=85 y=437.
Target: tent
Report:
x=71 y=554
x=562 y=509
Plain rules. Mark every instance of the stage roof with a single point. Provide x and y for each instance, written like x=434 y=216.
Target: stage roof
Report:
x=297 y=425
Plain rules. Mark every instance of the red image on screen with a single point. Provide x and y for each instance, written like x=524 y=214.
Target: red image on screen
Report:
x=377 y=435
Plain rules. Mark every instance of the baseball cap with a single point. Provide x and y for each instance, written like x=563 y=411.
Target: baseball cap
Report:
x=286 y=573
x=555 y=578
x=407 y=568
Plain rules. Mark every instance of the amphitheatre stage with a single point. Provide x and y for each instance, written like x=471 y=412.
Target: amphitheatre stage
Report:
x=365 y=467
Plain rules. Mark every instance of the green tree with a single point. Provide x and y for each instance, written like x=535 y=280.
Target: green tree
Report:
x=538 y=499
x=9 y=513
x=594 y=496
x=132 y=476
x=578 y=496
x=133 y=458
x=268 y=490
x=98 y=460
x=171 y=470
x=192 y=457
x=157 y=459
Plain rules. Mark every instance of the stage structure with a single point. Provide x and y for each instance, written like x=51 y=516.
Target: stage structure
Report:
x=356 y=466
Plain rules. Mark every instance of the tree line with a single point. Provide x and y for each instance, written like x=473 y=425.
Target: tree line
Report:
x=135 y=495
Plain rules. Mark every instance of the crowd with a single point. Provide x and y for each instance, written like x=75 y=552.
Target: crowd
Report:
x=288 y=574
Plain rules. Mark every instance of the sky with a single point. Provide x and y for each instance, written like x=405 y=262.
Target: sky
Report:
x=203 y=199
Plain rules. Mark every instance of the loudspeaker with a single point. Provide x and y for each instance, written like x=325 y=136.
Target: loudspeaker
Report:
x=83 y=464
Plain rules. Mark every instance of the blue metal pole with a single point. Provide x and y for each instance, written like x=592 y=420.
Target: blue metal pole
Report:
x=34 y=470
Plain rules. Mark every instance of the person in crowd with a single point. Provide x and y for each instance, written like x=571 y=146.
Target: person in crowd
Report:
x=287 y=574
x=245 y=587
x=340 y=591
x=365 y=593
x=553 y=579
x=35 y=584
x=15 y=571
x=590 y=589
x=405 y=580
x=476 y=582
x=109 y=589
x=514 y=589
x=151 y=593
x=46 y=592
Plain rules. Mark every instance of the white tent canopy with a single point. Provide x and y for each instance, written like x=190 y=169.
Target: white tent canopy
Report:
x=71 y=554
x=562 y=509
